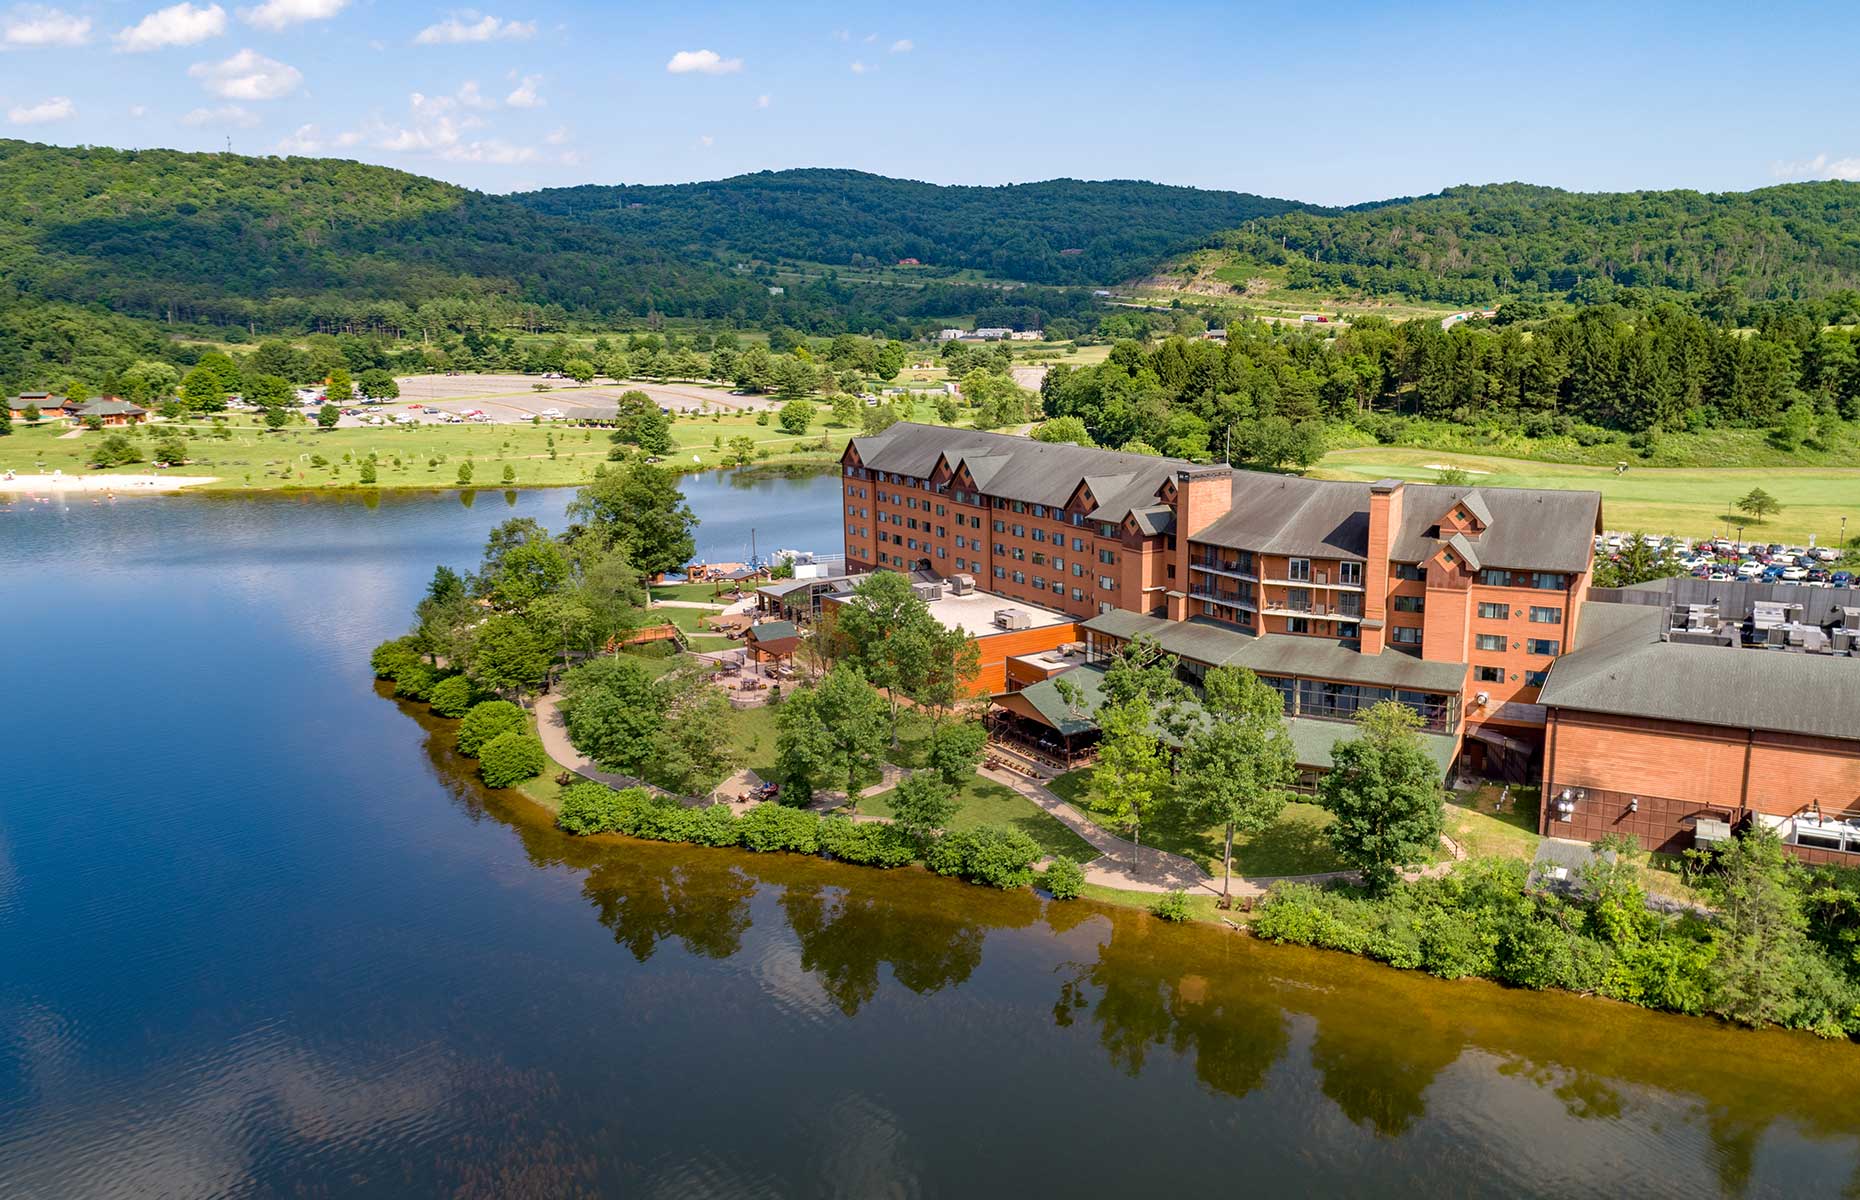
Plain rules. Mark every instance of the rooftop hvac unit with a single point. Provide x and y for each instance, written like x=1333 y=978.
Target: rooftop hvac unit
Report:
x=1706 y=830
x=927 y=592
x=1013 y=618
x=961 y=585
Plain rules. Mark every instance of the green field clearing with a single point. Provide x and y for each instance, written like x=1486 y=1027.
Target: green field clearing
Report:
x=1690 y=502
x=428 y=455
x=987 y=804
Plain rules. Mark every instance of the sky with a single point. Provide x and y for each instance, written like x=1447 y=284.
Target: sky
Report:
x=1330 y=103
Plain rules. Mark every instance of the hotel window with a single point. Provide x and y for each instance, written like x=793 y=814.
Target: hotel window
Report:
x=1495 y=612
x=1350 y=573
x=1348 y=631
x=1020 y=531
x=1548 y=580
x=1489 y=641
x=1405 y=635
x=1489 y=674
x=1298 y=568
x=941 y=553
x=1039 y=560
x=941 y=510
x=1039 y=510
x=1019 y=554
x=1107 y=530
x=1000 y=526
x=1039 y=585
x=1105 y=606
x=1495 y=577
x=1078 y=593
x=1059 y=587
x=1413 y=572
x=1297 y=625
x=1410 y=604
x=1039 y=535
x=1019 y=507
x=1020 y=577
x=1106 y=557
x=1000 y=572
x=1000 y=549
x=1078 y=569
x=1548 y=646
x=1546 y=616
x=1535 y=678
x=1106 y=583
x=1059 y=564
x=1078 y=544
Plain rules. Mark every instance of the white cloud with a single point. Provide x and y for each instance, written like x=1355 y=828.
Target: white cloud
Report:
x=225 y=114
x=903 y=46
x=470 y=26
x=763 y=101
x=138 y=111
x=435 y=132
x=57 y=108
x=177 y=25
x=706 y=140
x=282 y=14
x=860 y=68
x=37 y=25
x=702 y=62
x=1822 y=166
x=524 y=96
x=471 y=97
x=305 y=139
x=558 y=136
x=247 y=75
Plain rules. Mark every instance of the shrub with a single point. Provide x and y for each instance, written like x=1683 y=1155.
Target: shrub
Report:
x=1063 y=879
x=956 y=748
x=486 y=721
x=453 y=696
x=389 y=656
x=1001 y=858
x=596 y=808
x=713 y=825
x=511 y=758
x=769 y=826
x=415 y=679
x=868 y=844
x=1172 y=906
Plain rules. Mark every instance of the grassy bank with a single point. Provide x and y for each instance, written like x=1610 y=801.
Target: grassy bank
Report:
x=985 y=804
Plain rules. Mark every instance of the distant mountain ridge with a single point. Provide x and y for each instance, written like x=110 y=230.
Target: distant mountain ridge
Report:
x=1479 y=242
x=1060 y=231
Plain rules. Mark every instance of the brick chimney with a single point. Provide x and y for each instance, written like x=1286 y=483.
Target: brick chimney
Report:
x=1385 y=501
x=1203 y=495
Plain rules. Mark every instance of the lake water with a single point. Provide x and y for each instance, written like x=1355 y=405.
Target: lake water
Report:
x=262 y=934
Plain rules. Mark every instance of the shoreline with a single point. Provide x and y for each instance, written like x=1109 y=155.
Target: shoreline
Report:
x=142 y=485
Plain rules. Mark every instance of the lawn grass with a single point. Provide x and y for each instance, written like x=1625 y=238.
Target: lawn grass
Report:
x=702 y=593
x=692 y=621
x=1203 y=906
x=1294 y=845
x=1691 y=502
x=985 y=804
x=1483 y=830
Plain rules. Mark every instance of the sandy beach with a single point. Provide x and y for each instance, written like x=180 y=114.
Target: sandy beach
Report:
x=121 y=484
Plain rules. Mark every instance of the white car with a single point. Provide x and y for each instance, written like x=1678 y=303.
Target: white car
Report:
x=1795 y=573
x=550 y=414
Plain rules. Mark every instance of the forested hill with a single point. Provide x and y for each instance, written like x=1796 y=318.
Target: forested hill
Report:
x=1473 y=244
x=1063 y=231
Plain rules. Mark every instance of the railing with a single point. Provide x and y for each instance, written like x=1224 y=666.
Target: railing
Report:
x=1236 y=599
x=1317 y=579
x=1234 y=567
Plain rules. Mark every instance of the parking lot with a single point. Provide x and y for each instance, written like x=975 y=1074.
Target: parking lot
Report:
x=503 y=398
x=1727 y=559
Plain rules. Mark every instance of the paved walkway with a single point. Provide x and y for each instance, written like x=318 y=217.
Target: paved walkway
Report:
x=1122 y=863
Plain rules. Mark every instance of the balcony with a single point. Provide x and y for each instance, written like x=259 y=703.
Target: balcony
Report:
x=1231 y=568
x=1314 y=608
x=1319 y=579
x=1202 y=591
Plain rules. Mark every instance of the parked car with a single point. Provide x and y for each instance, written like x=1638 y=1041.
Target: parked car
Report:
x=1841 y=579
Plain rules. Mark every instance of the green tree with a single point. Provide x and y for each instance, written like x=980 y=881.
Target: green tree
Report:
x=269 y=391
x=1759 y=504
x=848 y=410
x=465 y=473
x=1063 y=429
x=1239 y=765
x=796 y=416
x=506 y=658
x=922 y=804
x=340 y=389
x=115 y=451
x=368 y=474
x=327 y=416
x=1132 y=776
x=34 y=414
x=831 y=734
x=956 y=750
x=613 y=712
x=203 y=390
x=1384 y=791
x=1453 y=477
x=579 y=369
x=792 y=378
x=742 y=449
x=1762 y=936
x=276 y=419
x=170 y=447
x=639 y=508
x=1637 y=563
x=379 y=384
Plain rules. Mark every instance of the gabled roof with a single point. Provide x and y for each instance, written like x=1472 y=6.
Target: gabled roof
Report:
x=1623 y=667
x=110 y=407
x=770 y=631
x=1019 y=468
x=1539 y=529
x=1467 y=554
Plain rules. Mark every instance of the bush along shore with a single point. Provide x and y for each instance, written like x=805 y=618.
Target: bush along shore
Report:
x=1779 y=943
x=1001 y=858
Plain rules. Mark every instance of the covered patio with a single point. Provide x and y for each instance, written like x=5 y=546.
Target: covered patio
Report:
x=1036 y=722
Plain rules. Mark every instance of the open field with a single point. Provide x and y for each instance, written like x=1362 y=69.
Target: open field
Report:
x=1690 y=502
x=414 y=456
